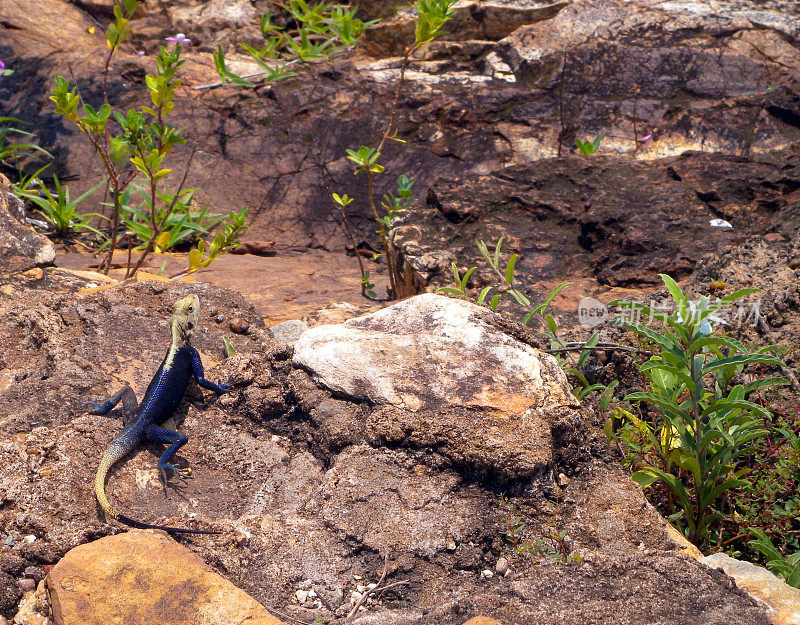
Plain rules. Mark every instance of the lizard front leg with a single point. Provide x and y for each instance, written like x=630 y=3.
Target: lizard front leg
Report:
x=199 y=375
x=175 y=440
x=129 y=404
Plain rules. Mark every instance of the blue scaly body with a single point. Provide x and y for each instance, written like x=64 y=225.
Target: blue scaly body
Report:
x=145 y=421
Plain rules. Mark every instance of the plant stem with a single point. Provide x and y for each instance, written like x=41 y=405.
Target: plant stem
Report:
x=355 y=250
x=384 y=238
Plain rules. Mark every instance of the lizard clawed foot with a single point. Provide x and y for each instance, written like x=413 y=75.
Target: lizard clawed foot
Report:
x=96 y=408
x=181 y=474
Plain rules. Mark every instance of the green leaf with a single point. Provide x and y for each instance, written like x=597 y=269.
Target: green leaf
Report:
x=644 y=478
x=510 y=269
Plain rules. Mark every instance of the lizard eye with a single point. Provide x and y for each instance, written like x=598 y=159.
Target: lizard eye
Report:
x=191 y=309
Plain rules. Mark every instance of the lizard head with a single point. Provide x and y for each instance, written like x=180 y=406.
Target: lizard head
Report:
x=185 y=316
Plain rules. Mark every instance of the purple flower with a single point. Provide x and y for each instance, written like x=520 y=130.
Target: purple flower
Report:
x=646 y=138
x=179 y=39
x=2 y=66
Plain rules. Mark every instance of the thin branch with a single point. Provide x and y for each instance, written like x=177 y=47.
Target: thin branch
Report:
x=378 y=587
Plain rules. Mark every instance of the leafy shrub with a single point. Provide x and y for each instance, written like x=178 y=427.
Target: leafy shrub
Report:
x=703 y=423
x=135 y=144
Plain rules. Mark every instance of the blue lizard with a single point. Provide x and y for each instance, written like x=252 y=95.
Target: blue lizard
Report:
x=146 y=421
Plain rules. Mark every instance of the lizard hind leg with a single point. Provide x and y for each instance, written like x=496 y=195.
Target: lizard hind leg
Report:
x=175 y=440
x=129 y=404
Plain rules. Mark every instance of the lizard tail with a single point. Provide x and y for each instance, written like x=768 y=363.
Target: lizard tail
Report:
x=112 y=455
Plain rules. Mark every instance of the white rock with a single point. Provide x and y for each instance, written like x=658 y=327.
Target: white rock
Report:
x=486 y=573
x=430 y=351
x=502 y=566
x=287 y=332
x=301 y=596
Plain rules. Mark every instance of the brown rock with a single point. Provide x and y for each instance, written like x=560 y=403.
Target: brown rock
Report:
x=239 y=325
x=482 y=620
x=17 y=238
x=505 y=447
x=258 y=248
x=143 y=577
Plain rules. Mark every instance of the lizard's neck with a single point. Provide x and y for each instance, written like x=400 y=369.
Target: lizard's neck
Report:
x=180 y=335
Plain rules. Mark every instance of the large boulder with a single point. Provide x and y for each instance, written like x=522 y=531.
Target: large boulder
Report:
x=447 y=379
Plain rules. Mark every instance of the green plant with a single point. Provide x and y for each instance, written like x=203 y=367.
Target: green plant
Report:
x=321 y=29
x=226 y=239
x=587 y=148
x=29 y=182
x=181 y=225
x=703 y=423
x=787 y=568
x=135 y=144
x=492 y=296
x=506 y=277
x=60 y=211
x=432 y=15
x=512 y=529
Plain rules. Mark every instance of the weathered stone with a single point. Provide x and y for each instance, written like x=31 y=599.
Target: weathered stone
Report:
x=143 y=577
x=482 y=620
x=17 y=238
x=337 y=423
x=34 y=609
x=382 y=500
x=432 y=351
x=483 y=20
x=783 y=600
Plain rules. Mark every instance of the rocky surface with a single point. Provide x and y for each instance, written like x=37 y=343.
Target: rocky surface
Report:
x=314 y=487
x=155 y=581
x=313 y=491
x=620 y=221
x=783 y=600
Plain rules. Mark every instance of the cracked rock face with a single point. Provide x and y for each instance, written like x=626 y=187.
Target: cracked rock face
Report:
x=621 y=221
x=518 y=81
